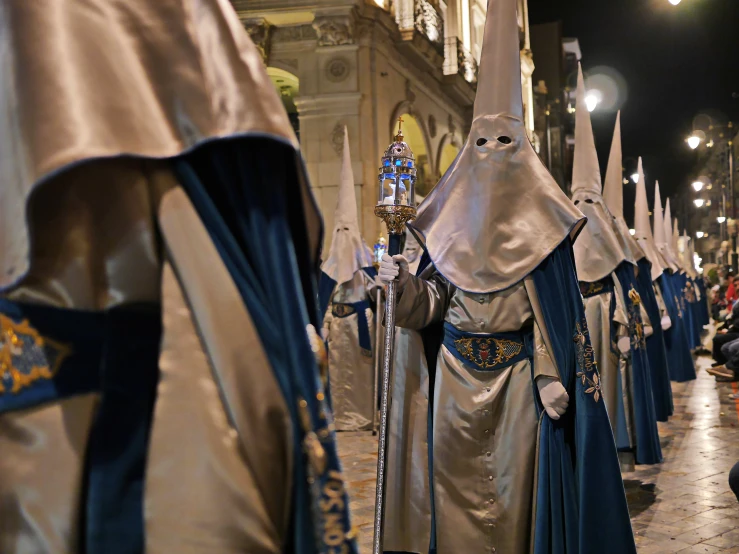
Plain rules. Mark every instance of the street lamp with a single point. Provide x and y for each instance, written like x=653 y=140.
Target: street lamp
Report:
x=694 y=141
x=699 y=234
x=699 y=202
x=632 y=232
x=592 y=99
x=721 y=219
x=675 y=2
x=698 y=186
x=635 y=178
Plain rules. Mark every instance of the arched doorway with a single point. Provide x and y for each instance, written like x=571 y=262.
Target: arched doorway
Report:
x=288 y=87
x=415 y=138
x=447 y=156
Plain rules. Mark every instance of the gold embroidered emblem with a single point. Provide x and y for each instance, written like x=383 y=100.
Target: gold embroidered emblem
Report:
x=679 y=307
x=27 y=357
x=588 y=373
x=636 y=325
x=342 y=310
x=689 y=293
x=591 y=289
x=319 y=351
x=487 y=353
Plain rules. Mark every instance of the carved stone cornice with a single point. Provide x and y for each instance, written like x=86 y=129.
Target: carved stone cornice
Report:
x=334 y=30
x=260 y=32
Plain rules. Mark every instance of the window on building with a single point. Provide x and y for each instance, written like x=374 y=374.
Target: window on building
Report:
x=288 y=87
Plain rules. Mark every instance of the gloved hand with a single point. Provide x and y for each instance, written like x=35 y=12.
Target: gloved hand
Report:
x=624 y=345
x=392 y=268
x=648 y=331
x=553 y=396
x=324 y=333
x=666 y=323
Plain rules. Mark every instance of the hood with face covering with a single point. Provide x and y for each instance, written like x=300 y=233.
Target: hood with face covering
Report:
x=643 y=229
x=348 y=253
x=497 y=213
x=686 y=253
x=613 y=195
x=598 y=252
x=662 y=239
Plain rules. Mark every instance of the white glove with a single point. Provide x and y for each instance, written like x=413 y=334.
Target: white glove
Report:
x=553 y=396
x=648 y=331
x=666 y=323
x=624 y=345
x=324 y=333
x=392 y=268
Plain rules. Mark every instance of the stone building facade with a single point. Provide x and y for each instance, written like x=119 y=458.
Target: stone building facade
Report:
x=364 y=64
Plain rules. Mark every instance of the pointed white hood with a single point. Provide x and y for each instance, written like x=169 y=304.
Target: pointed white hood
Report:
x=643 y=234
x=613 y=195
x=348 y=253
x=686 y=250
x=497 y=213
x=661 y=239
x=598 y=251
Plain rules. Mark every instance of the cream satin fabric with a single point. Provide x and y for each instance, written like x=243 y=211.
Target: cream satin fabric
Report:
x=497 y=212
x=485 y=427
x=350 y=371
x=103 y=78
x=238 y=447
x=598 y=252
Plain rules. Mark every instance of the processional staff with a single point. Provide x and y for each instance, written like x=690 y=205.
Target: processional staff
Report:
x=396 y=206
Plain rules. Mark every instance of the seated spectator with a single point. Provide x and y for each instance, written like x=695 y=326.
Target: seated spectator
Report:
x=726 y=333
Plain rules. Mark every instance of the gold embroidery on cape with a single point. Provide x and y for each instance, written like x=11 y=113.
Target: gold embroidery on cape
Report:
x=679 y=307
x=689 y=293
x=18 y=340
x=588 y=373
x=478 y=351
x=636 y=325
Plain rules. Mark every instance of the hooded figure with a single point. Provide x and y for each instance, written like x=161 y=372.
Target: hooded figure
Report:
x=349 y=324
x=687 y=276
x=613 y=195
x=495 y=336
x=679 y=359
x=160 y=391
x=616 y=317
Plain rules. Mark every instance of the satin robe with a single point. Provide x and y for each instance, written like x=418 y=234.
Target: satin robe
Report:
x=484 y=431
x=350 y=369
x=606 y=326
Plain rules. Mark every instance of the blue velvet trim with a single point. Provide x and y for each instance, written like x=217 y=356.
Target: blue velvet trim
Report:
x=647 y=447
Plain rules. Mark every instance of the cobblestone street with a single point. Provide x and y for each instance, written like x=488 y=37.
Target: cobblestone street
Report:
x=683 y=505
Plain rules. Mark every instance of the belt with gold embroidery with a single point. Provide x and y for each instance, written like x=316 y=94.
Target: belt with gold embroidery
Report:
x=596 y=288
x=49 y=354
x=489 y=352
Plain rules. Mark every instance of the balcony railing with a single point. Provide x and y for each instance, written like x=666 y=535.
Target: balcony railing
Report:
x=422 y=16
x=457 y=59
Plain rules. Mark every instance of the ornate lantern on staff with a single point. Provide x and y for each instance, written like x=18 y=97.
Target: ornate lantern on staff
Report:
x=396 y=206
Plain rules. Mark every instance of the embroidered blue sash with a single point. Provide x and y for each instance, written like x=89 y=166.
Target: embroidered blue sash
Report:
x=359 y=308
x=598 y=287
x=489 y=352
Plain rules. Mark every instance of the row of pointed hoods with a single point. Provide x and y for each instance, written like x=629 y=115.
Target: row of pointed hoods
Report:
x=497 y=212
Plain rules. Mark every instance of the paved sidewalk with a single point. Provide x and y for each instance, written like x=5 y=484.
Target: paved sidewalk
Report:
x=683 y=505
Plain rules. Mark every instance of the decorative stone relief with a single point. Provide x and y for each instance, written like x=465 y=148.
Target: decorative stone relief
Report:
x=337 y=70
x=334 y=31
x=293 y=33
x=410 y=96
x=261 y=33
x=432 y=126
x=337 y=138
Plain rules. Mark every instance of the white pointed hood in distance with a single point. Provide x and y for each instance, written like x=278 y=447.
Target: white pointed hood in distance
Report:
x=598 y=252
x=348 y=253
x=497 y=213
x=613 y=196
x=660 y=238
x=642 y=227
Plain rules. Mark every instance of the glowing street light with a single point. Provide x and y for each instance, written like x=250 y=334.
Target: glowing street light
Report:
x=591 y=101
x=675 y=2
x=699 y=202
x=720 y=219
x=635 y=178
x=699 y=234
x=694 y=141
x=698 y=186
x=632 y=232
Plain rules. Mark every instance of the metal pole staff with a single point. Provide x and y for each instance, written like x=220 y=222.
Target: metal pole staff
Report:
x=396 y=206
x=379 y=250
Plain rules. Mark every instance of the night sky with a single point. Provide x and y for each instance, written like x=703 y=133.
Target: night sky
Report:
x=677 y=61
